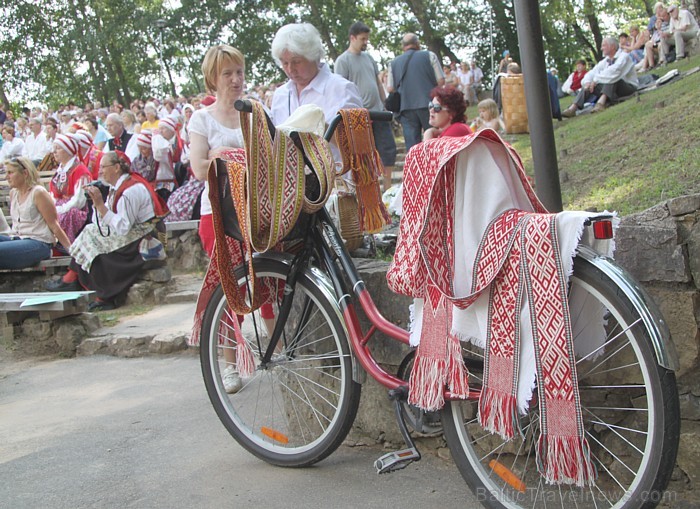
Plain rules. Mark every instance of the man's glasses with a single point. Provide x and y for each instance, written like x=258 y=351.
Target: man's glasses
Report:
x=437 y=108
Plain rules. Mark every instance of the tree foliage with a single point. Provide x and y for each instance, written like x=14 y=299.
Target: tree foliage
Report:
x=81 y=50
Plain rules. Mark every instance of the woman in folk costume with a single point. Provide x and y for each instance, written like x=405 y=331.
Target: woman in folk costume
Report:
x=145 y=164
x=66 y=185
x=107 y=255
x=90 y=154
x=215 y=132
x=167 y=148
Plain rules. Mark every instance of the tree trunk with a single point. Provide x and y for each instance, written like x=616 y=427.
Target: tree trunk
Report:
x=3 y=97
x=503 y=20
x=589 y=11
x=322 y=27
x=435 y=43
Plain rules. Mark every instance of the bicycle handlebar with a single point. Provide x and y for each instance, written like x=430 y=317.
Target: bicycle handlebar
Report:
x=246 y=106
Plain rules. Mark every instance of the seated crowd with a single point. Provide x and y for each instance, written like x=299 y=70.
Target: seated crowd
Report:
x=142 y=154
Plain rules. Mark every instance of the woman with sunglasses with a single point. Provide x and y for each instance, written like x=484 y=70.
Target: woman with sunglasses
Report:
x=447 y=113
x=35 y=225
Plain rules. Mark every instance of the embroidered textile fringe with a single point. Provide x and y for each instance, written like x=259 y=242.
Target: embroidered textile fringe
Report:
x=359 y=154
x=565 y=459
x=244 y=354
x=498 y=413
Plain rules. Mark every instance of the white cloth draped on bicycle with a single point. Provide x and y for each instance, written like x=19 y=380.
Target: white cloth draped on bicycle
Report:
x=468 y=215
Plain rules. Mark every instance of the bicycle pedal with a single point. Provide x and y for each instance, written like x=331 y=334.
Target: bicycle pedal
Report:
x=393 y=461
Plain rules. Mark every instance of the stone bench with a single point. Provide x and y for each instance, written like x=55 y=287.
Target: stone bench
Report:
x=16 y=307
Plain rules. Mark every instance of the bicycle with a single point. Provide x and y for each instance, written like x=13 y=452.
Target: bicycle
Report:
x=301 y=401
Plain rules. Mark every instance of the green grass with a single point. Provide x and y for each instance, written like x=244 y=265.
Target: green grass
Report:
x=633 y=155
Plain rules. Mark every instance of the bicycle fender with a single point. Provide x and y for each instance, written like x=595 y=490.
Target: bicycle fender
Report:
x=664 y=348
x=324 y=284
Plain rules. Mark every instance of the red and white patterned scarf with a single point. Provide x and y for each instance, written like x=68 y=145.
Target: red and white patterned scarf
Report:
x=518 y=257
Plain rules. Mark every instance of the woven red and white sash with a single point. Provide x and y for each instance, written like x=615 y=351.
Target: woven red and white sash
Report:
x=518 y=256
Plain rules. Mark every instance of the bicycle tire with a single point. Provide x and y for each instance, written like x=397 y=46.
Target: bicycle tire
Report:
x=299 y=409
x=631 y=416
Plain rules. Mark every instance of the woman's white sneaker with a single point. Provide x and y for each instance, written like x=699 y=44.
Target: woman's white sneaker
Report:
x=232 y=380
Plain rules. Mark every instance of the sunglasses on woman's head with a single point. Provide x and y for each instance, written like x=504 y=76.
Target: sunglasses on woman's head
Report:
x=437 y=108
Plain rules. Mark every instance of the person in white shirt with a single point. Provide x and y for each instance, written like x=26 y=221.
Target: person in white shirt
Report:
x=167 y=148
x=473 y=83
x=611 y=78
x=297 y=48
x=683 y=27
x=12 y=146
x=106 y=254
x=36 y=146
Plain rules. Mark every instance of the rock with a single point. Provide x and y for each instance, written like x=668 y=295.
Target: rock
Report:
x=444 y=453
x=181 y=296
x=677 y=309
x=140 y=293
x=129 y=346
x=168 y=343
x=68 y=334
x=690 y=407
x=93 y=346
x=693 y=243
x=684 y=204
x=159 y=275
x=647 y=246
x=689 y=450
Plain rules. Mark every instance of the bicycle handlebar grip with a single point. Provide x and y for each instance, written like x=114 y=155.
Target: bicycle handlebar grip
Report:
x=381 y=116
x=243 y=105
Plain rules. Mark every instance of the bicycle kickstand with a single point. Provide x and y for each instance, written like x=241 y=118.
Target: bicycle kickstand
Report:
x=393 y=461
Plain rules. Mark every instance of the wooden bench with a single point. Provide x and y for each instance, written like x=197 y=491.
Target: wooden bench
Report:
x=182 y=225
x=50 y=266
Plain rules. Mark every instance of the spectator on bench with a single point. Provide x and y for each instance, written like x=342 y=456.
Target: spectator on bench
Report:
x=67 y=183
x=683 y=27
x=612 y=78
x=12 y=145
x=106 y=254
x=35 y=225
x=36 y=146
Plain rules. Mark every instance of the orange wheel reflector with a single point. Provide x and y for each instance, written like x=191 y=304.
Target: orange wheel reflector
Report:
x=507 y=475
x=274 y=435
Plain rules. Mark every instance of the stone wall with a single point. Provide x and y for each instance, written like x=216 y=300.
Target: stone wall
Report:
x=33 y=336
x=660 y=247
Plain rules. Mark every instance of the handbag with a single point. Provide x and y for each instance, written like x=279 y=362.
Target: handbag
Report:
x=393 y=100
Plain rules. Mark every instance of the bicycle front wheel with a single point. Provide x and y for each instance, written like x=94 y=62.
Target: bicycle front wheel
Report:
x=297 y=409
x=630 y=411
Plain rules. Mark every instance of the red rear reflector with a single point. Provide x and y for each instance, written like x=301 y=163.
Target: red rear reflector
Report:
x=603 y=230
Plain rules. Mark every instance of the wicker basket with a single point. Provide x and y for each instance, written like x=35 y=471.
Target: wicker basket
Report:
x=349 y=218
x=514 y=107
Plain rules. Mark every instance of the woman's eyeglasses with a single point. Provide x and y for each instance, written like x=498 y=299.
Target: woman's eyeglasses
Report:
x=437 y=108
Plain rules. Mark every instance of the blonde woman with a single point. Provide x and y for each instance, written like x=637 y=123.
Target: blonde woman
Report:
x=35 y=225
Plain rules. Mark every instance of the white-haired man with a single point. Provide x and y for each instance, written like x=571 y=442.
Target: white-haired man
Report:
x=611 y=78
x=36 y=146
x=683 y=27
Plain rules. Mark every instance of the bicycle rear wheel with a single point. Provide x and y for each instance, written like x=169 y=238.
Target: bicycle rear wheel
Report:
x=298 y=409
x=630 y=410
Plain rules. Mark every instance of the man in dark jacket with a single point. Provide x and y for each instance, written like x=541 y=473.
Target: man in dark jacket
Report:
x=414 y=74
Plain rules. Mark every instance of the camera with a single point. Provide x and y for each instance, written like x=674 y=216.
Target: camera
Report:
x=104 y=189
